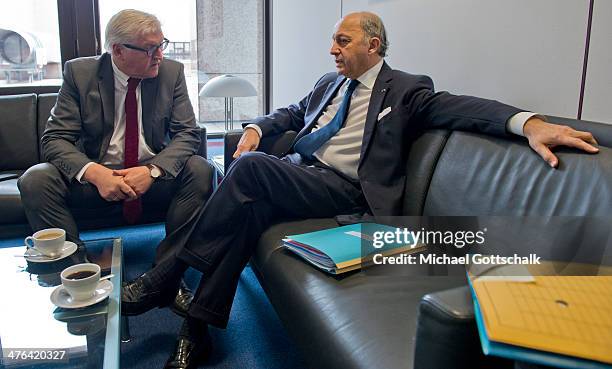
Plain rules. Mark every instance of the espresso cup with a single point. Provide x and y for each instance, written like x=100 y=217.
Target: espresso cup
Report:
x=81 y=280
x=48 y=242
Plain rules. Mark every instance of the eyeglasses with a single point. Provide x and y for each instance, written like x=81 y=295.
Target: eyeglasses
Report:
x=152 y=50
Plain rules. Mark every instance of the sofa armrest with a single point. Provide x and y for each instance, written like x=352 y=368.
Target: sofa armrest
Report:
x=454 y=304
x=203 y=142
x=276 y=145
x=230 y=142
x=447 y=336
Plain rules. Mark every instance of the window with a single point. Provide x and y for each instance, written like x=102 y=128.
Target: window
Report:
x=29 y=43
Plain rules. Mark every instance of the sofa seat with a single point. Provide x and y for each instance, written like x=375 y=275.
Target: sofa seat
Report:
x=328 y=316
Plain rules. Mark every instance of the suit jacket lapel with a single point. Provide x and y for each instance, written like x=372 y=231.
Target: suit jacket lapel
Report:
x=106 y=88
x=379 y=91
x=148 y=93
x=329 y=94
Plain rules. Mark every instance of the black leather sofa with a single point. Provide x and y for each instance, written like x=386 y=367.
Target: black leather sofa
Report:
x=365 y=320
x=22 y=122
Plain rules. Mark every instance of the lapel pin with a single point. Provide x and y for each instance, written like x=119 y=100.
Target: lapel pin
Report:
x=383 y=90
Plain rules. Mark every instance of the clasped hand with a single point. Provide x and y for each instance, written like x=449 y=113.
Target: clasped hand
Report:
x=138 y=178
x=119 y=185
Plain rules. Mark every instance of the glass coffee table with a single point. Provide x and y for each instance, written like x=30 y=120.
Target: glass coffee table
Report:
x=34 y=333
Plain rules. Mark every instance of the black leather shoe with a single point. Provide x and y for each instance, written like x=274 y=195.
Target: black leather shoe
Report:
x=182 y=300
x=137 y=297
x=188 y=352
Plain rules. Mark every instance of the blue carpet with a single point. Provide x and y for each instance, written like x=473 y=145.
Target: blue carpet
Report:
x=254 y=338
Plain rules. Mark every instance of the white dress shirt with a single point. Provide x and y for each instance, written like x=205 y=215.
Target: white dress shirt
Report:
x=114 y=153
x=343 y=150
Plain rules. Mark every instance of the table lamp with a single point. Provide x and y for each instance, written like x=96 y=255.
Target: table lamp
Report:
x=228 y=86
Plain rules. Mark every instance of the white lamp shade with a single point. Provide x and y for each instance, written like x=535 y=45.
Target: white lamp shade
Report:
x=228 y=86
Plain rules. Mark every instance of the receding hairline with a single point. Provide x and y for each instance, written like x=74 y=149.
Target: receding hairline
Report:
x=363 y=16
x=370 y=25
x=359 y=19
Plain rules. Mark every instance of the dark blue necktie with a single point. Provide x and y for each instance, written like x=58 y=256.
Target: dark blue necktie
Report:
x=307 y=145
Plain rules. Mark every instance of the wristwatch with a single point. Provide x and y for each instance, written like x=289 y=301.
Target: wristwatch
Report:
x=154 y=171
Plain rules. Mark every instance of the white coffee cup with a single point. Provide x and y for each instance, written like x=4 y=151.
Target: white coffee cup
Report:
x=81 y=280
x=48 y=242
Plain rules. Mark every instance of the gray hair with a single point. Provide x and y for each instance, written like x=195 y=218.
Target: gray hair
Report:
x=128 y=24
x=372 y=26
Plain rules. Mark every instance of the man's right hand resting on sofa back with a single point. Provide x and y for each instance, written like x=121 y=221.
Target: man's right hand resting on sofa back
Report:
x=544 y=136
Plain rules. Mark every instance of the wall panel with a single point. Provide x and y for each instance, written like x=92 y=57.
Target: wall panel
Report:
x=523 y=52
x=301 y=38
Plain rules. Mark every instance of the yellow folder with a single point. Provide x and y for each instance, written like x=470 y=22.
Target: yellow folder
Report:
x=569 y=315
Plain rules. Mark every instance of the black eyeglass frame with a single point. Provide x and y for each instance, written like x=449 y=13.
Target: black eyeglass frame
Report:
x=150 y=51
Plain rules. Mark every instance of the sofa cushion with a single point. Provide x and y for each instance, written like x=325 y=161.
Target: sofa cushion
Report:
x=479 y=175
x=45 y=103
x=330 y=318
x=427 y=148
x=12 y=211
x=18 y=138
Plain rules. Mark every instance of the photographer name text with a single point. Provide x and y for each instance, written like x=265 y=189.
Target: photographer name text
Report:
x=435 y=259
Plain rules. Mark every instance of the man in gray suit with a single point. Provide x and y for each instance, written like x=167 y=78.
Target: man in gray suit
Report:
x=121 y=137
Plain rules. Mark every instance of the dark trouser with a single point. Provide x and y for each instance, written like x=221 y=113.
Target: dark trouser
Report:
x=49 y=199
x=257 y=190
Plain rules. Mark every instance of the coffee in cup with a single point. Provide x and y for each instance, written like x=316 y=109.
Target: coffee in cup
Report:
x=48 y=242
x=50 y=236
x=81 y=280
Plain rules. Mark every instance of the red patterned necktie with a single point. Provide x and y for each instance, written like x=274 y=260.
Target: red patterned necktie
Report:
x=132 y=210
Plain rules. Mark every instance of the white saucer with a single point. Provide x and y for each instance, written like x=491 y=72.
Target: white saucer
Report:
x=34 y=256
x=61 y=298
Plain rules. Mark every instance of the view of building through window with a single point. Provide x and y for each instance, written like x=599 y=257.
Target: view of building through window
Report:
x=29 y=43
x=230 y=41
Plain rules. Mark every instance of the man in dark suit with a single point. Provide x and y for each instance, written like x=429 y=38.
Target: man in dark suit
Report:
x=355 y=131
x=121 y=138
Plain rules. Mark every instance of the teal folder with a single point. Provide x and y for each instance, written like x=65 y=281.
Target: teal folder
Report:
x=338 y=250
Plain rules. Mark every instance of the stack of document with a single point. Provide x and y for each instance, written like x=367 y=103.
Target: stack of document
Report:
x=342 y=249
x=561 y=321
